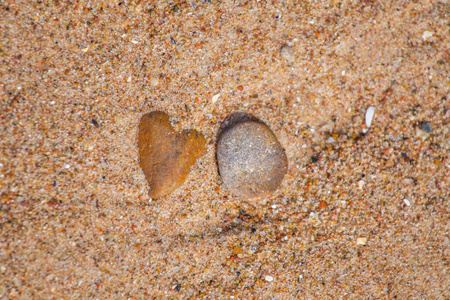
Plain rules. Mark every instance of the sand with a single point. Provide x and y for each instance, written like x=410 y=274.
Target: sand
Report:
x=357 y=216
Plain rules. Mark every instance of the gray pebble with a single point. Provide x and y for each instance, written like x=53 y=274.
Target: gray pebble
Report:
x=426 y=126
x=251 y=160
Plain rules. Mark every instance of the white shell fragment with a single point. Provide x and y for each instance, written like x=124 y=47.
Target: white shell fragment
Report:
x=406 y=201
x=369 y=115
x=215 y=98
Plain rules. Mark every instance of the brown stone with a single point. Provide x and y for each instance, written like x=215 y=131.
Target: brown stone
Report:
x=166 y=156
x=251 y=161
x=323 y=204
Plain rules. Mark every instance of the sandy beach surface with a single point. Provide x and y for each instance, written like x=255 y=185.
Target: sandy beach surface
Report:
x=362 y=213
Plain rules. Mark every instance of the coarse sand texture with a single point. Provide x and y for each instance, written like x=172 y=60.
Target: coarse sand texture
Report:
x=113 y=118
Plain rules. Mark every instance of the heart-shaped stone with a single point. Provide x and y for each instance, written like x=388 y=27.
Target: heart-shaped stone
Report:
x=166 y=156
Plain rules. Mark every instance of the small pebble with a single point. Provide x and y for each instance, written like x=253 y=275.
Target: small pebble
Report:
x=287 y=53
x=427 y=34
x=95 y=123
x=154 y=81
x=426 y=126
x=406 y=201
x=323 y=204
x=237 y=250
x=215 y=98
x=361 y=241
x=361 y=184
x=251 y=161
x=268 y=278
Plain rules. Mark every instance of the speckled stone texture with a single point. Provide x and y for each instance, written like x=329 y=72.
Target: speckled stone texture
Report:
x=76 y=220
x=251 y=161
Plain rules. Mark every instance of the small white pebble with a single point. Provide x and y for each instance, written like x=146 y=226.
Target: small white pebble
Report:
x=215 y=98
x=85 y=49
x=274 y=206
x=406 y=201
x=129 y=79
x=330 y=140
x=300 y=276
x=135 y=42
x=361 y=184
x=154 y=81
x=343 y=72
x=67 y=166
x=427 y=34
x=268 y=278
x=361 y=241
